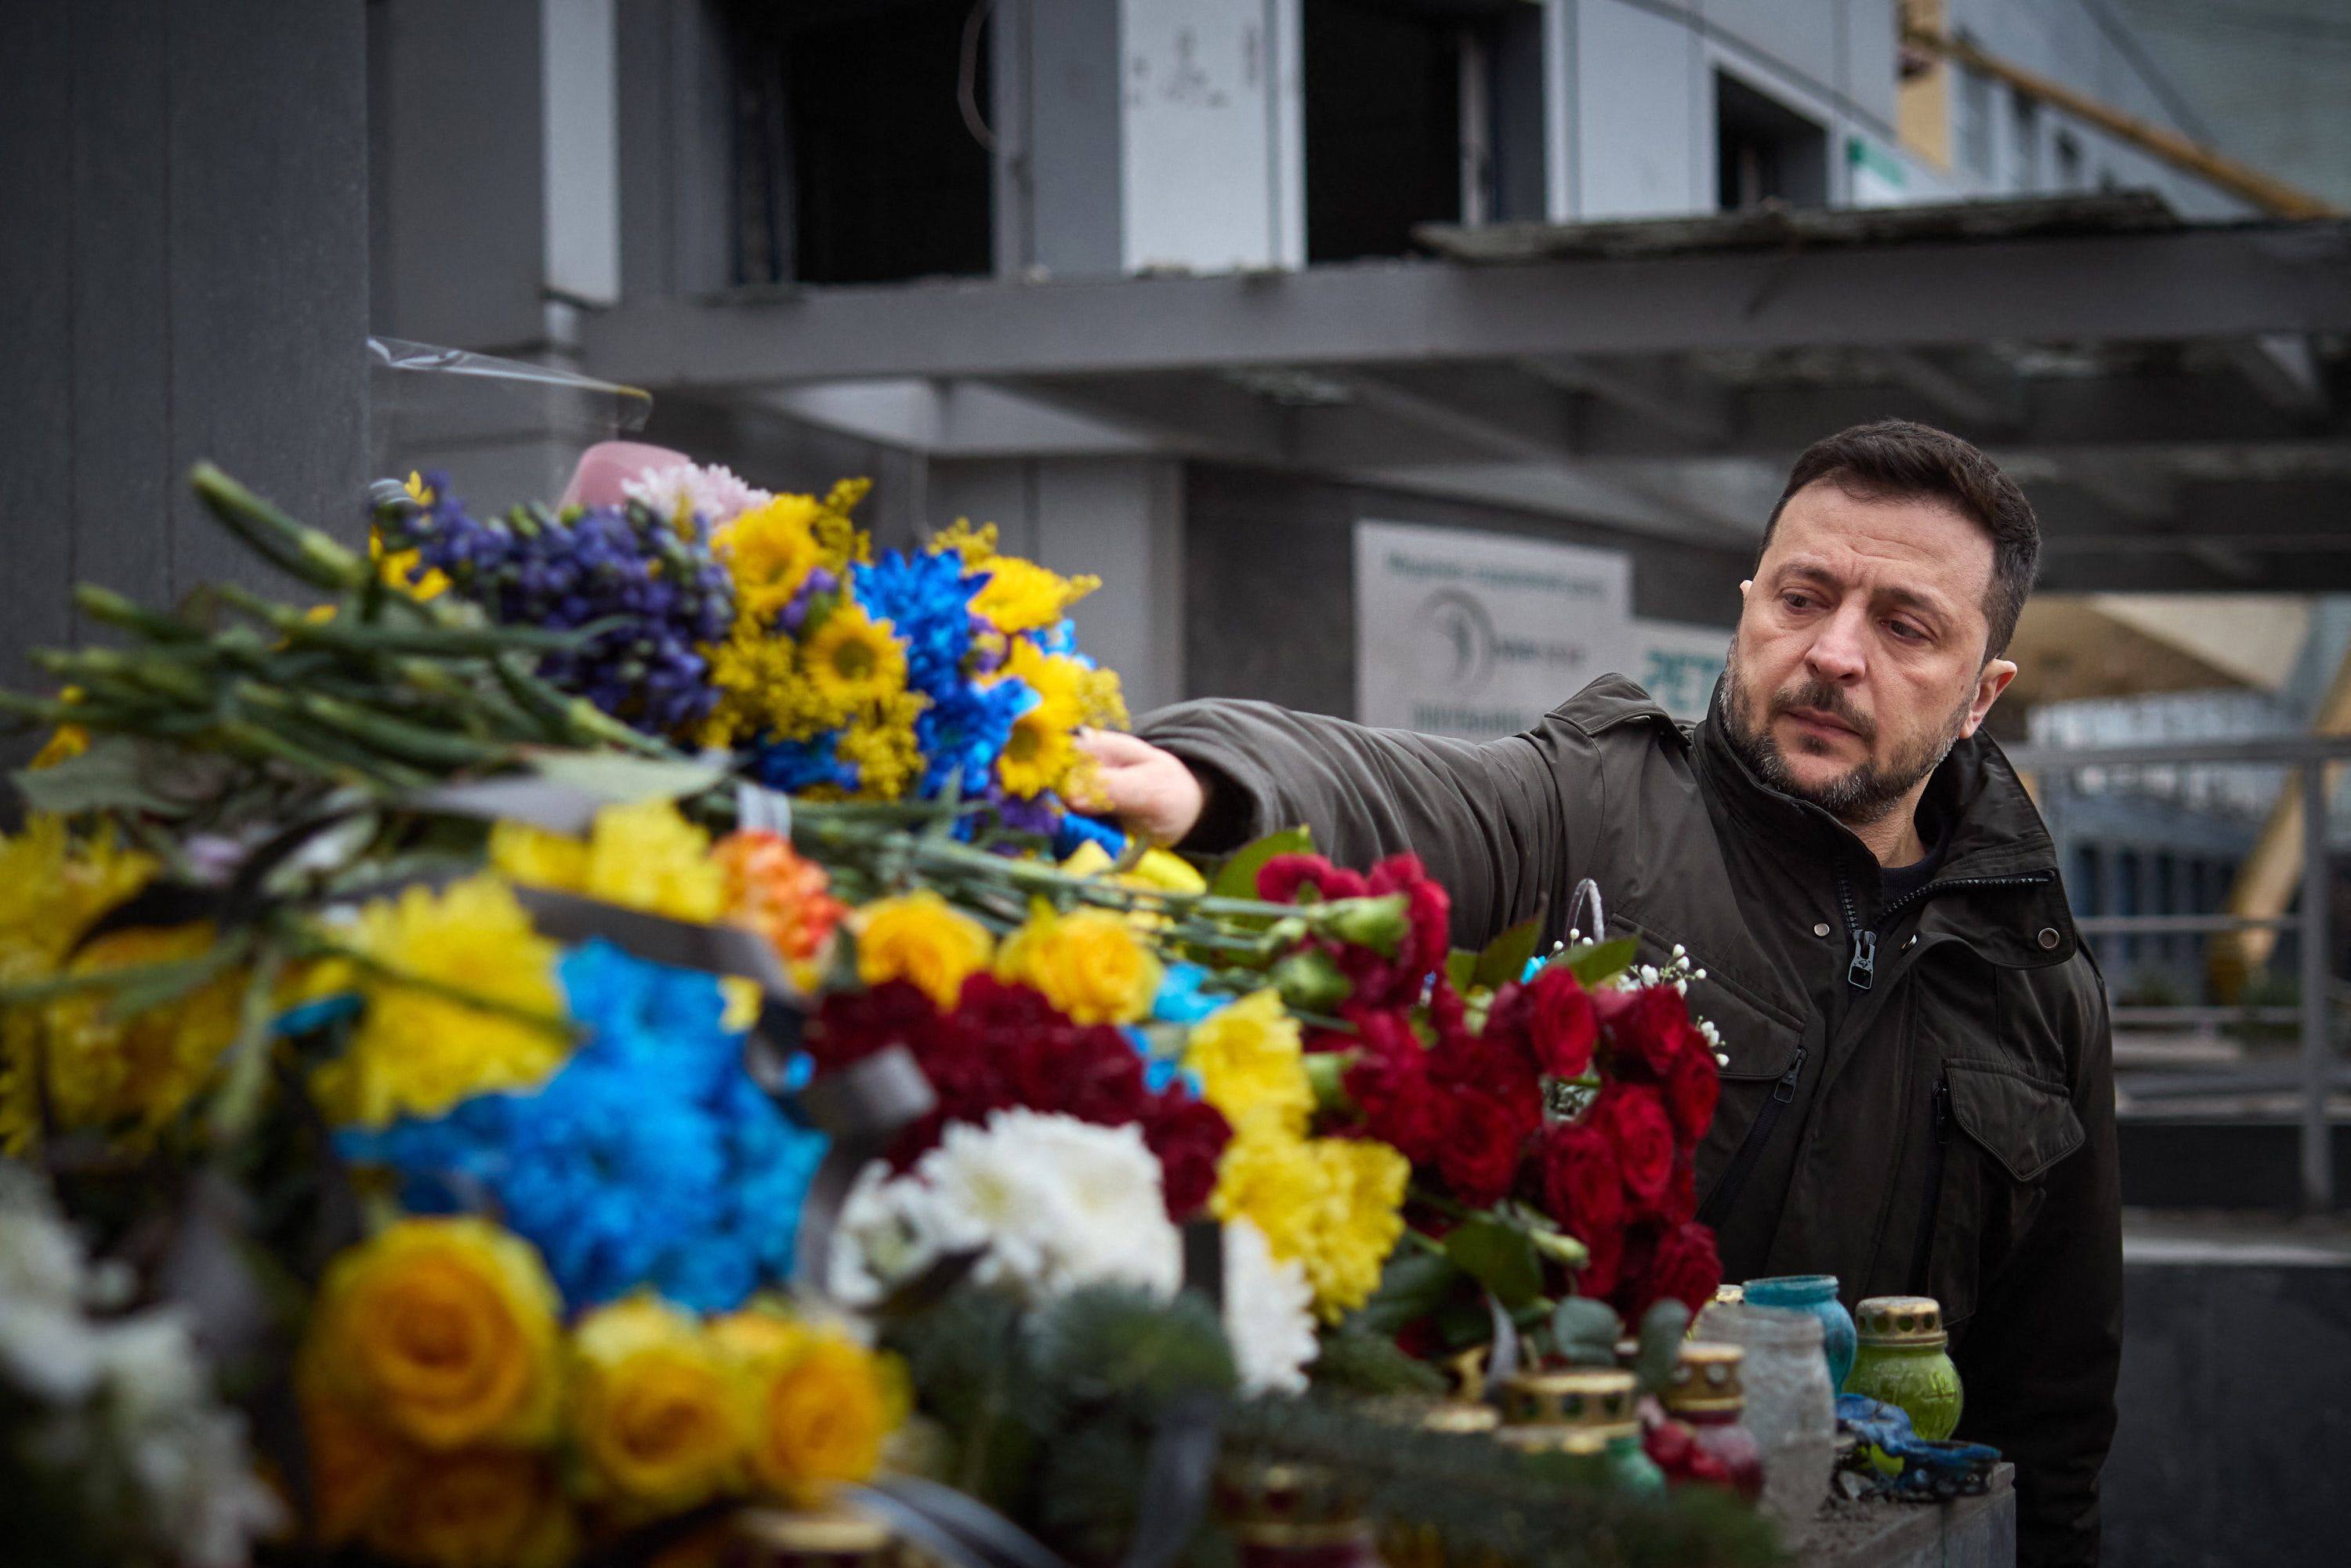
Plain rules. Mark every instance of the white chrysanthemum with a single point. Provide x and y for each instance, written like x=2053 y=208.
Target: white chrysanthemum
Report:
x=714 y=492
x=1049 y=1201
x=1268 y=1313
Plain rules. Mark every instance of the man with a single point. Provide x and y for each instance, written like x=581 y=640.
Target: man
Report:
x=1919 y=1097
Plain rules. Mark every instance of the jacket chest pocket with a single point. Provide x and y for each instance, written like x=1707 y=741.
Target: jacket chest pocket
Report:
x=1998 y=1133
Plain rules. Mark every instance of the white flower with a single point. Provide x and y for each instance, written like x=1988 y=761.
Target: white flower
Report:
x=714 y=493
x=1050 y=1203
x=1268 y=1313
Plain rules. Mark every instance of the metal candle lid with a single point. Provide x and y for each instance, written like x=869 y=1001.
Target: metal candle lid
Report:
x=1544 y=1408
x=1900 y=1321
x=1705 y=1378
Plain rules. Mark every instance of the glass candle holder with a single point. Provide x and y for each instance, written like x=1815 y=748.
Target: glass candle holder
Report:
x=1790 y=1407
x=1816 y=1295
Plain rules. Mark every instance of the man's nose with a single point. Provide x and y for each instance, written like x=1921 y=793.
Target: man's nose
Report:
x=1840 y=653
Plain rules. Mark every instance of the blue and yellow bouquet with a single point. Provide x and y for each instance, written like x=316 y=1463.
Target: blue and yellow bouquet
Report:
x=765 y=624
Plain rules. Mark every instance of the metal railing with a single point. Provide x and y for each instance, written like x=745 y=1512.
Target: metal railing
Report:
x=2309 y=754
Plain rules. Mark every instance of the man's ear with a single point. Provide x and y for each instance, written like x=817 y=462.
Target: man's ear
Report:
x=1989 y=683
x=1744 y=587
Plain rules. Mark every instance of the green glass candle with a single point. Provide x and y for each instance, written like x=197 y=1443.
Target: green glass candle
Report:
x=1902 y=1361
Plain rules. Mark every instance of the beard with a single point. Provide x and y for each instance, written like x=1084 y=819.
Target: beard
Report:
x=1864 y=794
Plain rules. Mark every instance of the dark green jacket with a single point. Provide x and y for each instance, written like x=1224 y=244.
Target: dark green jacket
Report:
x=1919 y=1099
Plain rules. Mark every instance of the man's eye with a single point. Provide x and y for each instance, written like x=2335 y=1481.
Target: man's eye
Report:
x=1906 y=631
x=1797 y=600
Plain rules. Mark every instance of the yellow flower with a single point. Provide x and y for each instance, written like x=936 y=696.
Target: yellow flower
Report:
x=1331 y=1205
x=442 y=1331
x=1251 y=1062
x=977 y=546
x=355 y=1467
x=919 y=937
x=761 y=689
x=1168 y=870
x=480 y=1507
x=1021 y=596
x=392 y=566
x=819 y=1404
x=67 y=741
x=1040 y=752
x=853 y=659
x=768 y=551
x=644 y=855
x=653 y=1408
x=881 y=744
x=1089 y=964
x=418 y=1051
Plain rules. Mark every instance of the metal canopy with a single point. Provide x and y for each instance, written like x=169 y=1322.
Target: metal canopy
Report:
x=2173 y=396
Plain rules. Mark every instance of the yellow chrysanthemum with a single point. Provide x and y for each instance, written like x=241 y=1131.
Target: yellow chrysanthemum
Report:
x=1021 y=596
x=644 y=855
x=880 y=743
x=1041 y=751
x=417 y=1051
x=1251 y=1062
x=761 y=690
x=653 y=1408
x=1156 y=870
x=1331 y=1205
x=920 y=939
x=768 y=551
x=440 y=1330
x=819 y=1405
x=976 y=545
x=1088 y=964
x=852 y=659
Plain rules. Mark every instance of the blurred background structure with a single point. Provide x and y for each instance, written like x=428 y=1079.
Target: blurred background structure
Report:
x=1410 y=359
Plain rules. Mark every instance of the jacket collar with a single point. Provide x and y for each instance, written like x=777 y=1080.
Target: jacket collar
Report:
x=1995 y=834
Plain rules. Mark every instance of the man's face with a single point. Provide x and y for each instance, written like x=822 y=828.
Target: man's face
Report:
x=1859 y=658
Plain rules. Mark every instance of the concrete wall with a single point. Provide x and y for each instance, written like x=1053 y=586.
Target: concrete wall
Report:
x=183 y=274
x=2235 y=1408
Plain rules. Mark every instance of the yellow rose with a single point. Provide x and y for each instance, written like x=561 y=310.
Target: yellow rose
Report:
x=1090 y=964
x=479 y=1508
x=820 y=1405
x=355 y=1467
x=443 y=1331
x=922 y=939
x=1251 y=1061
x=652 y=1408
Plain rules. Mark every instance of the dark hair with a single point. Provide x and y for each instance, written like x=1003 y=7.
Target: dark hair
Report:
x=1897 y=460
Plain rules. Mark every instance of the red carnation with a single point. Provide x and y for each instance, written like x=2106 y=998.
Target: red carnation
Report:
x=1634 y=1121
x=1562 y=1024
x=1281 y=878
x=851 y=1025
x=1429 y=910
x=1480 y=1159
x=1584 y=1190
x=1390 y=1080
x=1693 y=1084
x=1189 y=1136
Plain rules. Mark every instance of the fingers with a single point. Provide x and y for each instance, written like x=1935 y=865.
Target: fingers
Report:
x=1112 y=748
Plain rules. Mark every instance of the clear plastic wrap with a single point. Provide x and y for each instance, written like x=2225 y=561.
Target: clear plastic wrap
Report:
x=505 y=431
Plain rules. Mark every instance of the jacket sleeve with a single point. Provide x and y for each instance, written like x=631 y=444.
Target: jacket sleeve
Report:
x=1499 y=822
x=2039 y=1363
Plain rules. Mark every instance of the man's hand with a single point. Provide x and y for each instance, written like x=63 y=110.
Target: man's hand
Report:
x=1151 y=792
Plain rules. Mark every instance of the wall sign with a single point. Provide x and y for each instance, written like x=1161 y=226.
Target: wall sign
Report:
x=1477 y=634
x=1678 y=663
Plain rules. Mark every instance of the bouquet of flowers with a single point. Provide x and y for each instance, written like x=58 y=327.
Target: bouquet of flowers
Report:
x=620 y=1135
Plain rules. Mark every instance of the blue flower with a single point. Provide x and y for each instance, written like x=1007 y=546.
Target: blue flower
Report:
x=962 y=732
x=1181 y=999
x=925 y=598
x=793 y=766
x=1074 y=830
x=651 y=1158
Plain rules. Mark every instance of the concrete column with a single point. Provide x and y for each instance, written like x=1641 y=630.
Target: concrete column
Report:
x=184 y=275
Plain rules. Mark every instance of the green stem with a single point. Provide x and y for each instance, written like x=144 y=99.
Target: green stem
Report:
x=313 y=946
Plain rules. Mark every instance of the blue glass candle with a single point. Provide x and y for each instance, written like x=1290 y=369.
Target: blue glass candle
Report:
x=1816 y=1295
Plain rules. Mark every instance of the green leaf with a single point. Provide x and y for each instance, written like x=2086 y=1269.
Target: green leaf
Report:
x=1460 y=968
x=153 y=986
x=1504 y=958
x=1584 y=1332
x=1237 y=876
x=623 y=780
x=1498 y=1257
x=1414 y=1285
x=109 y=777
x=1662 y=1328
x=1597 y=961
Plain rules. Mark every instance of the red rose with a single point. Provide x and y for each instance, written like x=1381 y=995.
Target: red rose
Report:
x=1693 y=1084
x=1584 y=1191
x=1281 y=878
x=1389 y=1081
x=1648 y=1034
x=1189 y=1136
x=1680 y=1201
x=1483 y=1147
x=1561 y=1025
x=1604 y=1267
x=1634 y=1119
x=1684 y=1267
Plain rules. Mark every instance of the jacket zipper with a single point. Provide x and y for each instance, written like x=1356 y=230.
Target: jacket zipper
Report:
x=1750 y=1147
x=1924 y=1257
x=1860 y=974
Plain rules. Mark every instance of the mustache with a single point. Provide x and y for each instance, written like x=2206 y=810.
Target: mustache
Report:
x=1822 y=697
